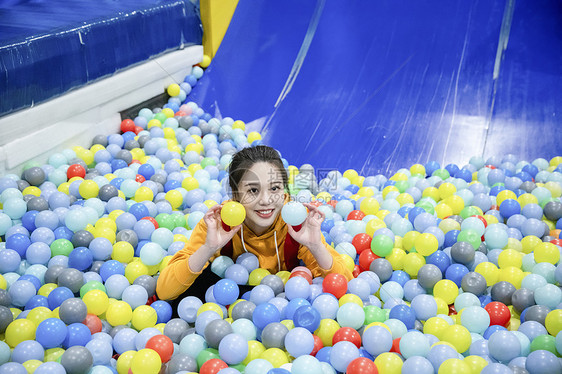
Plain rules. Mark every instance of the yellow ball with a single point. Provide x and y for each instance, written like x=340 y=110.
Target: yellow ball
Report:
x=458 y=336
x=144 y=316
x=88 y=189
x=511 y=274
x=275 y=356
x=389 y=363
x=489 y=271
x=448 y=224
x=348 y=262
x=288 y=323
x=547 y=252
x=396 y=258
x=4 y=284
x=389 y=189
x=409 y=240
x=455 y=202
x=350 y=298
x=124 y=362
x=31 y=365
x=476 y=363
x=529 y=243
x=205 y=62
x=373 y=225
x=239 y=125
x=443 y=210
x=284 y=275
x=233 y=213
x=426 y=244
x=553 y=322
x=446 y=290
x=413 y=263
x=504 y=195
x=123 y=252
x=324 y=196
x=87 y=156
x=210 y=306
x=119 y=313
x=555 y=188
x=253 y=136
x=18 y=331
x=446 y=189
x=190 y=183
x=39 y=314
x=510 y=257
x=365 y=192
x=435 y=326
x=175 y=198
x=417 y=169
x=405 y=198
x=454 y=366
x=257 y=275
x=153 y=123
x=53 y=354
x=326 y=331
x=527 y=198
x=351 y=175
x=442 y=306
x=255 y=349
x=369 y=205
x=96 y=301
x=108 y=222
x=31 y=190
x=173 y=89
x=143 y=193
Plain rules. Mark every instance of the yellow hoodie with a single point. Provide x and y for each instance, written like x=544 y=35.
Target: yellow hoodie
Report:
x=176 y=278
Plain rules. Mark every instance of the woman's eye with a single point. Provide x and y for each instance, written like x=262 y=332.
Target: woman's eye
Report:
x=253 y=191
x=275 y=188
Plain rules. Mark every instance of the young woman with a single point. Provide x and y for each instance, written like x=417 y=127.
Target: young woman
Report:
x=258 y=181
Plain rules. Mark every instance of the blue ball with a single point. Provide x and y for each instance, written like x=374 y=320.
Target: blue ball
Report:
x=264 y=314
x=400 y=277
x=492 y=329
x=226 y=291
x=78 y=334
x=51 y=333
x=80 y=258
x=28 y=350
x=21 y=292
x=405 y=314
x=19 y=243
x=36 y=301
x=110 y=268
x=307 y=317
x=58 y=295
x=163 y=311
x=456 y=272
x=439 y=259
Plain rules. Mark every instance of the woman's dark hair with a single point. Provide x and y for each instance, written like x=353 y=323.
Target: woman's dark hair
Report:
x=247 y=157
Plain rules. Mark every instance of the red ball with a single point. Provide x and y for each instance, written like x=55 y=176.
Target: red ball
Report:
x=395 y=346
x=139 y=178
x=347 y=334
x=365 y=259
x=213 y=366
x=336 y=284
x=452 y=309
x=557 y=242
x=162 y=345
x=127 y=125
x=316 y=203
x=137 y=130
x=75 y=170
x=180 y=113
x=93 y=323
x=317 y=345
x=151 y=220
x=361 y=242
x=356 y=215
x=481 y=218
x=499 y=313
x=356 y=271
x=361 y=365
x=302 y=274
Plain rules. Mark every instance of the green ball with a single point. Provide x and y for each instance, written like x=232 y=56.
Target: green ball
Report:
x=545 y=343
x=441 y=173
x=179 y=220
x=207 y=161
x=426 y=205
x=206 y=355
x=374 y=314
x=160 y=117
x=402 y=186
x=382 y=245
x=469 y=211
x=165 y=220
x=61 y=247
x=91 y=285
x=470 y=236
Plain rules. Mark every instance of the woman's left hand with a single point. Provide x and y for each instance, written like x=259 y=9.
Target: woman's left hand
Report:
x=310 y=234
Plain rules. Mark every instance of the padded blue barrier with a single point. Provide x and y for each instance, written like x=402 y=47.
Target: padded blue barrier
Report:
x=380 y=85
x=50 y=47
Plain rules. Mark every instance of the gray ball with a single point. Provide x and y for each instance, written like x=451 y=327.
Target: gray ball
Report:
x=537 y=313
x=518 y=369
x=77 y=360
x=82 y=238
x=204 y=126
x=483 y=248
x=37 y=203
x=418 y=325
x=243 y=309
x=274 y=282
x=100 y=139
x=26 y=198
x=35 y=176
x=22 y=185
x=158 y=178
x=116 y=329
x=428 y=275
x=5 y=298
x=96 y=265
x=6 y=317
x=124 y=155
x=156 y=110
x=456 y=218
x=382 y=268
x=502 y=292
x=528 y=186
x=73 y=310
x=131 y=144
x=273 y=335
x=474 y=283
x=105 y=326
x=129 y=236
x=522 y=299
x=553 y=210
x=215 y=331
x=181 y=362
x=78 y=161
x=148 y=282
x=143 y=139
x=91 y=174
x=186 y=122
x=174 y=329
x=107 y=191
x=462 y=252
x=72 y=279
x=52 y=273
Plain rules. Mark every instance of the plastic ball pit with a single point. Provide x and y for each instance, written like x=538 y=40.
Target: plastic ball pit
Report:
x=456 y=269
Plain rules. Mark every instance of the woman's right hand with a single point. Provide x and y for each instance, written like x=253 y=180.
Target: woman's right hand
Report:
x=217 y=236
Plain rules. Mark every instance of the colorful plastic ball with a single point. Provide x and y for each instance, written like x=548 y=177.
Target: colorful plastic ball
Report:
x=237 y=273
x=21 y=291
x=233 y=213
x=119 y=313
x=426 y=244
x=264 y=314
x=405 y=314
x=51 y=333
x=542 y=362
x=146 y=361
x=389 y=363
x=381 y=245
x=297 y=287
x=28 y=350
x=294 y=213
x=504 y=346
x=458 y=336
x=342 y=354
x=335 y=284
x=499 y=313
x=377 y=340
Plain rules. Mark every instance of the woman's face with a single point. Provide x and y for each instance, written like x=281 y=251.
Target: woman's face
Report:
x=261 y=192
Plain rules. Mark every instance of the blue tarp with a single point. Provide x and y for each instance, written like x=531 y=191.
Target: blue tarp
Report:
x=50 y=47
